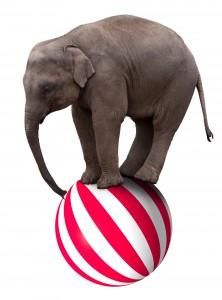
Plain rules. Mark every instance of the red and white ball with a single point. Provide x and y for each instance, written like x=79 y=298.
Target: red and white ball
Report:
x=113 y=236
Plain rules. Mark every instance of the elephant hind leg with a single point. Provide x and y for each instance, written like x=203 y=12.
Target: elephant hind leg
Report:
x=140 y=148
x=166 y=121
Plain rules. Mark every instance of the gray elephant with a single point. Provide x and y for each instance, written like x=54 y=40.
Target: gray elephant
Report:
x=116 y=67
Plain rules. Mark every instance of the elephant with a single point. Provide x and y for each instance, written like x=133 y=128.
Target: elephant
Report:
x=106 y=70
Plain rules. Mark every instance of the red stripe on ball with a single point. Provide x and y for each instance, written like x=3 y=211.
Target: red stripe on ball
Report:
x=162 y=209
x=84 y=248
x=69 y=260
x=110 y=230
x=141 y=217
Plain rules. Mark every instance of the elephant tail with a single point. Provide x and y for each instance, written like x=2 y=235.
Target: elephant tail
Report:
x=199 y=87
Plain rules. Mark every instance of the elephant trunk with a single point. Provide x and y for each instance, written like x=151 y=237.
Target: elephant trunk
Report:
x=32 y=129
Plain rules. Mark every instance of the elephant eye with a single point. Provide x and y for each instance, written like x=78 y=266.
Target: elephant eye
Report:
x=46 y=88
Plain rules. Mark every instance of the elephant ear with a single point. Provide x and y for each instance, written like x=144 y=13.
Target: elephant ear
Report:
x=82 y=67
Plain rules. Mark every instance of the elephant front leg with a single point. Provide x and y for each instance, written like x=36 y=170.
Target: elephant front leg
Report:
x=107 y=130
x=83 y=122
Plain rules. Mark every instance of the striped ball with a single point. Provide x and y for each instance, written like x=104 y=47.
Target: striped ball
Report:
x=113 y=236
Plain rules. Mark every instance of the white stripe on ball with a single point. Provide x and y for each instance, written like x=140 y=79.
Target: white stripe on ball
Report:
x=74 y=254
x=151 y=209
x=96 y=239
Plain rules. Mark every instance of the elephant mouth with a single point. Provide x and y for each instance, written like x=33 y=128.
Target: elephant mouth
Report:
x=43 y=118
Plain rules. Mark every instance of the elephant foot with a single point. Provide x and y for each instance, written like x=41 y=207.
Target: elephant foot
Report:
x=148 y=174
x=107 y=180
x=90 y=176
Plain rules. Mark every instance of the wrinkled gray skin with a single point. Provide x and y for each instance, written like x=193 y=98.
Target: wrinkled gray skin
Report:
x=117 y=67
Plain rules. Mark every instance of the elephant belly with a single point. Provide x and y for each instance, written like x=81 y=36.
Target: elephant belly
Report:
x=142 y=100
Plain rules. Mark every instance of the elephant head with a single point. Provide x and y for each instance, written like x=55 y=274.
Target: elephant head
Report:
x=53 y=80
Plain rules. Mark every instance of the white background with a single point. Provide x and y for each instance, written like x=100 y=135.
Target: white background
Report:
x=31 y=266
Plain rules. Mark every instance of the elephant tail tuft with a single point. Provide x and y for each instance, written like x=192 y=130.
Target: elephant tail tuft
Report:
x=199 y=87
